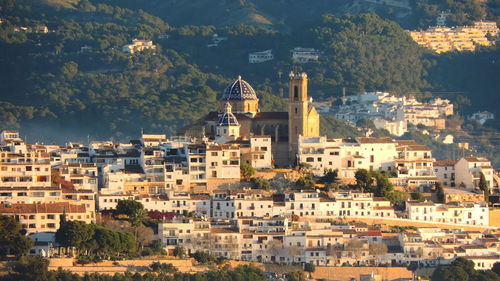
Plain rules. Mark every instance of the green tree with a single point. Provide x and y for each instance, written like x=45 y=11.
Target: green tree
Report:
x=306 y=181
x=295 y=276
x=74 y=234
x=440 y=192
x=418 y=196
x=383 y=186
x=364 y=180
x=483 y=186
x=330 y=176
x=12 y=240
x=203 y=257
x=128 y=207
x=247 y=171
x=261 y=183
x=163 y=267
x=180 y=252
x=449 y=273
x=496 y=268
x=34 y=268
x=309 y=267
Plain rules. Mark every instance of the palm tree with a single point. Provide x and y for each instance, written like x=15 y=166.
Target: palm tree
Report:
x=137 y=219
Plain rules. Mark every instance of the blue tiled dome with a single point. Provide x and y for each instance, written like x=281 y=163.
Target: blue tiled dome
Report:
x=227 y=117
x=239 y=90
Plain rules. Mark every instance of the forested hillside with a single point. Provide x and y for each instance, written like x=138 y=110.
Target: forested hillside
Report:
x=53 y=87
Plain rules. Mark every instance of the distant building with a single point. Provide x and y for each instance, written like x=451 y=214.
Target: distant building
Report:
x=216 y=39
x=259 y=57
x=305 y=55
x=85 y=49
x=138 y=46
x=41 y=29
x=393 y=113
x=481 y=117
x=394 y=127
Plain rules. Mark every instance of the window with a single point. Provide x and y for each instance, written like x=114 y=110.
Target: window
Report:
x=296 y=92
x=214 y=153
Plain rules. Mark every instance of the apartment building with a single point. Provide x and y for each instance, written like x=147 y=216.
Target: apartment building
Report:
x=24 y=168
x=414 y=165
x=81 y=176
x=347 y=155
x=462 y=38
x=42 y=217
x=445 y=172
x=465 y=213
x=257 y=152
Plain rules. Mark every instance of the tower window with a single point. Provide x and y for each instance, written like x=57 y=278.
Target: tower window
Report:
x=296 y=110
x=296 y=92
x=248 y=107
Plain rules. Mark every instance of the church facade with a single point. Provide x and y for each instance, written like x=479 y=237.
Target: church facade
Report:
x=241 y=106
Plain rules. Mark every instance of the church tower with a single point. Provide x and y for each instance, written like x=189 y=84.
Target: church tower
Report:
x=303 y=119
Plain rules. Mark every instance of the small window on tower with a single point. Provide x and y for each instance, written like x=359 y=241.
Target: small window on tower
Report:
x=296 y=92
x=296 y=110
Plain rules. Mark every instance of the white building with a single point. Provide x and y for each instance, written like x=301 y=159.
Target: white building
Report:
x=138 y=46
x=262 y=56
x=481 y=117
x=464 y=213
x=468 y=171
x=305 y=55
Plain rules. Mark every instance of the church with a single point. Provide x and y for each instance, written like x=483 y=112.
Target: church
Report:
x=240 y=117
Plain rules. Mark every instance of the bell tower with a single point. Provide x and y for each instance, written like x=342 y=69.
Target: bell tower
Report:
x=303 y=120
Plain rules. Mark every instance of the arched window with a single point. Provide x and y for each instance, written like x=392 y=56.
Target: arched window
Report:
x=296 y=92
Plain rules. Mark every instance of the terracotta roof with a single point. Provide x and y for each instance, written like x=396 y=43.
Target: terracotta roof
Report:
x=222 y=230
x=200 y=196
x=417 y=147
x=375 y=140
x=271 y=115
x=57 y=208
x=476 y=159
x=445 y=162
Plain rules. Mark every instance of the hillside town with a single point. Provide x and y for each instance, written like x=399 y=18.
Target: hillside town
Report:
x=239 y=186
x=442 y=39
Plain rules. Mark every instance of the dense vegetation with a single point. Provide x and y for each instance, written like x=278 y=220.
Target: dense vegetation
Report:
x=462 y=269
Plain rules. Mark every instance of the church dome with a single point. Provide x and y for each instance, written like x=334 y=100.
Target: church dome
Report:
x=239 y=90
x=227 y=117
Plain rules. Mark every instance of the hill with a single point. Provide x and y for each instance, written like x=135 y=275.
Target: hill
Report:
x=56 y=90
